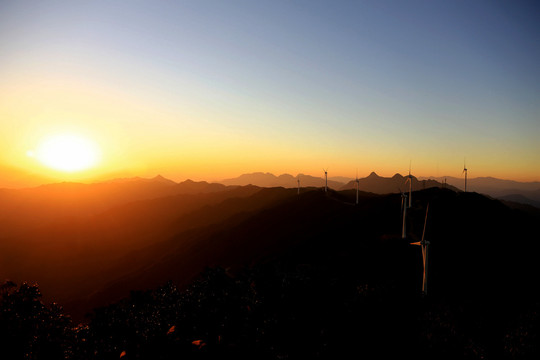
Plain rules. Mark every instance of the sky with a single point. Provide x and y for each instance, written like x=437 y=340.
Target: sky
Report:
x=209 y=90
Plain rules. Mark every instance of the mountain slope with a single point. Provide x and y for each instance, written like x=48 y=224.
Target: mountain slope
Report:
x=470 y=256
x=93 y=248
x=75 y=241
x=477 y=243
x=47 y=203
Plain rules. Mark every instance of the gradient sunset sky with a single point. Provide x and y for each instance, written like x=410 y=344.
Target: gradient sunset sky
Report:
x=212 y=89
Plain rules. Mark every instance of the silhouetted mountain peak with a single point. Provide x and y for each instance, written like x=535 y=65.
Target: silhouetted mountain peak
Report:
x=373 y=175
x=286 y=176
x=160 y=178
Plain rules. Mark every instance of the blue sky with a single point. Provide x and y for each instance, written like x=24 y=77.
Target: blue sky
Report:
x=356 y=84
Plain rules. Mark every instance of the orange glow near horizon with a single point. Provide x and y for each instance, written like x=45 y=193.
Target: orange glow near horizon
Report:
x=196 y=143
x=146 y=137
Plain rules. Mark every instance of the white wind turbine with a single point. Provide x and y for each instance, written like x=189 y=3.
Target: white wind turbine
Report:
x=424 y=244
x=404 y=213
x=409 y=180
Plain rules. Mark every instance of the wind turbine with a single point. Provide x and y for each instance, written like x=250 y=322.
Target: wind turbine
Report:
x=298 y=180
x=357 y=185
x=404 y=211
x=465 y=172
x=424 y=244
x=326 y=180
x=409 y=180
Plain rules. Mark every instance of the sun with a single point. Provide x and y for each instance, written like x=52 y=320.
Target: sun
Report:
x=67 y=152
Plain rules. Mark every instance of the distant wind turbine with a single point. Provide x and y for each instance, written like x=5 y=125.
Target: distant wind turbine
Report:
x=298 y=179
x=424 y=244
x=465 y=172
x=409 y=180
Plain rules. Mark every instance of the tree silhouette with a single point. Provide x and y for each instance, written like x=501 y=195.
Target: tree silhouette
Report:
x=28 y=328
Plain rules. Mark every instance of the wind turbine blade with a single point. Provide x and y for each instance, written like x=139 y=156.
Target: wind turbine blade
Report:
x=426 y=270
x=424 y=283
x=425 y=221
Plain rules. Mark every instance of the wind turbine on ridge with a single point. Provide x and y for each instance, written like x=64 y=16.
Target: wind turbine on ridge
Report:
x=465 y=172
x=409 y=180
x=404 y=213
x=298 y=180
x=424 y=244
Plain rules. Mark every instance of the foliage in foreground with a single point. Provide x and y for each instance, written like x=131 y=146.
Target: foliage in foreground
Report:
x=270 y=311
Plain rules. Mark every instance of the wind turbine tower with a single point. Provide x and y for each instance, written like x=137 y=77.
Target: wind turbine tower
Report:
x=465 y=172
x=424 y=244
x=404 y=211
x=298 y=180
x=409 y=180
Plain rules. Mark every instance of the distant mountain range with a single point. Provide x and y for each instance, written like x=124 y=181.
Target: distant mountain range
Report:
x=373 y=183
x=383 y=185
x=509 y=190
x=47 y=202
x=285 y=180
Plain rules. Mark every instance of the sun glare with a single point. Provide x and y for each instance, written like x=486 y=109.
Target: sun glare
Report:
x=67 y=153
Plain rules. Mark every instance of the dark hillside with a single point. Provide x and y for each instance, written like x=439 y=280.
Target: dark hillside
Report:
x=469 y=233
x=65 y=250
x=277 y=275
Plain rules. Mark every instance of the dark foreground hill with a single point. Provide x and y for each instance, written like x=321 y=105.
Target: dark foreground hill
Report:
x=470 y=237
x=312 y=275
